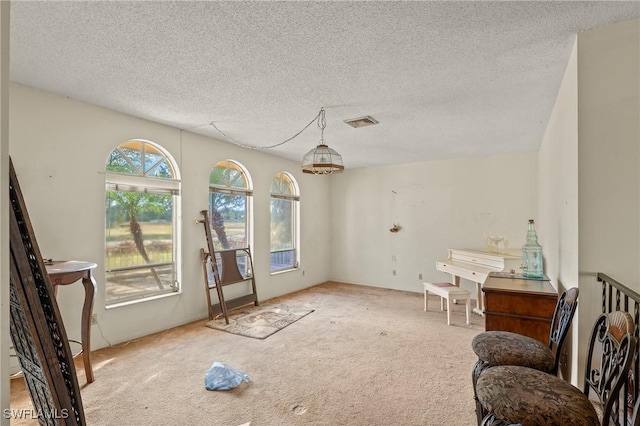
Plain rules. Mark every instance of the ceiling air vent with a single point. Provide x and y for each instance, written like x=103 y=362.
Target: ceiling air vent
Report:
x=361 y=121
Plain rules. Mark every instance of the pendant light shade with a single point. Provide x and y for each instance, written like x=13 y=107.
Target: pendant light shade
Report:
x=322 y=160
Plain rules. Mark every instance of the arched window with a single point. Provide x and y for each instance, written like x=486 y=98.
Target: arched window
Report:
x=141 y=222
x=230 y=195
x=284 y=223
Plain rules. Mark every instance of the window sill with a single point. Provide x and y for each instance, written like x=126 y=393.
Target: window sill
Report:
x=284 y=271
x=142 y=300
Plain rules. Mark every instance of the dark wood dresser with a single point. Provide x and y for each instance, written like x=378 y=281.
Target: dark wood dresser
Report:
x=523 y=306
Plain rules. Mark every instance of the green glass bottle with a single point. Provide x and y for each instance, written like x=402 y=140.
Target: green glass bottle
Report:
x=532 y=254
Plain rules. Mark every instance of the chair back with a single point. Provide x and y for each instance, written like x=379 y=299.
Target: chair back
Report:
x=561 y=322
x=635 y=418
x=611 y=350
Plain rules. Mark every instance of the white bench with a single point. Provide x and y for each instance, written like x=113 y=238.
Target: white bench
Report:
x=446 y=291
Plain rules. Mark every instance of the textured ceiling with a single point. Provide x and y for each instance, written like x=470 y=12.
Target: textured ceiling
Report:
x=444 y=79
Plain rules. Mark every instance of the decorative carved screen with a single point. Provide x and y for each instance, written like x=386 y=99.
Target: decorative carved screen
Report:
x=36 y=327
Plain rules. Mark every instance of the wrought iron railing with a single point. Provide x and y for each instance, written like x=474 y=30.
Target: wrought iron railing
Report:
x=618 y=297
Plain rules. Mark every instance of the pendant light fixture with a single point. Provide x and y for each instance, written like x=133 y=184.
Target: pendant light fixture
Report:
x=322 y=160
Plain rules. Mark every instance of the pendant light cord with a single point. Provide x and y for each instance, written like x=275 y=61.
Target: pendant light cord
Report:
x=319 y=117
x=322 y=123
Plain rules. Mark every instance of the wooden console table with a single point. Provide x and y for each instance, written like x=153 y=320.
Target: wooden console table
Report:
x=523 y=306
x=69 y=272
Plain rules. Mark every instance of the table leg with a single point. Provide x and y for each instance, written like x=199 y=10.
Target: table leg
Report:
x=85 y=330
x=468 y=307
x=479 y=309
x=426 y=299
x=455 y=280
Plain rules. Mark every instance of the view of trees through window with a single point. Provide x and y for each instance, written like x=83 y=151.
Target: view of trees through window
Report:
x=229 y=193
x=284 y=199
x=141 y=191
x=228 y=215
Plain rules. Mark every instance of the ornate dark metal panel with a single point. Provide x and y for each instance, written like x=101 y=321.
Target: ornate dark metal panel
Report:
x=614 y=290
x=36 y=327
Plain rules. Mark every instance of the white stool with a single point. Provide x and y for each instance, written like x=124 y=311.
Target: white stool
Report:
x=446 y=291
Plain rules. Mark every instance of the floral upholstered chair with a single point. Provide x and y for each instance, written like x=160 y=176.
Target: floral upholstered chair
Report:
x=522 y=395
x=495 y=348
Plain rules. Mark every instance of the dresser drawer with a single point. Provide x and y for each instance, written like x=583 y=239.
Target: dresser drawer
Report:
x=531 y=305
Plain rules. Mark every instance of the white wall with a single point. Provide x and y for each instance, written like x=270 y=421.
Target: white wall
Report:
x=439 y=205
x=608 y=163
x=59 y=147
x=558 y=198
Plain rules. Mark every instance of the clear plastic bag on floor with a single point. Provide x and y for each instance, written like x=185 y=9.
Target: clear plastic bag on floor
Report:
x=222 y=377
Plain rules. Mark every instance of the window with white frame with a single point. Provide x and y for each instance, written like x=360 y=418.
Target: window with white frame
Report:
x=141 y=223
x=230 y=195
x=284 y=223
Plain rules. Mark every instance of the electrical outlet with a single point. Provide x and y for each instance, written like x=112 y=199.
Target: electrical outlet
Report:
x=94 y=318
x=394 y=272
x=419 y=276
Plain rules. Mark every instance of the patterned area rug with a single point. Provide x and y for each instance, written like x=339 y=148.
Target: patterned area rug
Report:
x=260 y=322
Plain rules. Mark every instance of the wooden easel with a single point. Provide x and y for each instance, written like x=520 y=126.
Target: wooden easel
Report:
x=230 y=274
x=37 y=332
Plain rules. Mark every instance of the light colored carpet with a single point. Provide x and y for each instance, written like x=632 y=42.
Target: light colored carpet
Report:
x=261 y=321
x=366 y=356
